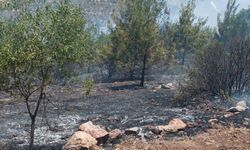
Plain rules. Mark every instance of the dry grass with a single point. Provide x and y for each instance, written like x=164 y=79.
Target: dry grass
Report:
x=214 y=139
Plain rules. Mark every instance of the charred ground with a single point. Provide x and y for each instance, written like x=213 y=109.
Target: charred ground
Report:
x=112 y=105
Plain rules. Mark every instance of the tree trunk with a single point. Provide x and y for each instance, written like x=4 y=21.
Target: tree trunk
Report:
x=111 y=68
x=32 y=131
x=143 y=70
x=33 y=116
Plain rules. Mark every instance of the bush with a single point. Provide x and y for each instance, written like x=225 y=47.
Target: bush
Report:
x=88 y=86
x=223 y=69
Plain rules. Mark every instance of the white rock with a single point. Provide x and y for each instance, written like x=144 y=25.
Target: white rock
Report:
x=168 y=86
x=212 y=121
x=80 y=140
x=95 y=131
x=173 y=126
x=240 y=107
x=134 y=131
x=158 y=87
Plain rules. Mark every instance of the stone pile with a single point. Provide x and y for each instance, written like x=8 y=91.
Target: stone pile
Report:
x=92 y=136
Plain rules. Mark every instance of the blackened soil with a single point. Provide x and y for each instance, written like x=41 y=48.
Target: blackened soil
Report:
x=112 y=105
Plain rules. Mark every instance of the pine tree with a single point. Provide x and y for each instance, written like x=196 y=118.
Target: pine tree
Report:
x=136 y=39
x=188 y=31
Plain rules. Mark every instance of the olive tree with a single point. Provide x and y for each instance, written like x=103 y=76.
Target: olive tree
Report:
x=37 y=42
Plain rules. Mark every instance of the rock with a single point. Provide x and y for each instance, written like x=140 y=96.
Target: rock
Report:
x=212 y=121
x=173 y=126
x=80 y=140
x=154 y=129
x=233 y=110
x=240 y=107
x=147 y=121
x=146 y=132
x=178 y=124
x=228 y=115
x=167 y=128
x=157 y=88
x=95 y=131
x=168 y=86
x=149 y=135
x=115 y=134
x=132 y=131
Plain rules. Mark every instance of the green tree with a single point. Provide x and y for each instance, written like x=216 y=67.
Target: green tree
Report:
x=188 y=31
x=37 y=42
x=136 y=40
x=225 y=25
x=233 y=24
x=104 y=53
x=244 y=16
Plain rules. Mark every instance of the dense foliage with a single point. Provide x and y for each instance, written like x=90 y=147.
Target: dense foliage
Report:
x=34 y=43
x=189 y=33
x=136 y=40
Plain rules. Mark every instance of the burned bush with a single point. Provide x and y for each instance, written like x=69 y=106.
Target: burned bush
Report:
x=223 y=68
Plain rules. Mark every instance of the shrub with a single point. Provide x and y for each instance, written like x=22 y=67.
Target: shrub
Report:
x=223 y=70
x=223 y=67
x=88 y=86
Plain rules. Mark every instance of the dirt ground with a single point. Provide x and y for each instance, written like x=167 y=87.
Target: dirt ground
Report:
x=214 y=139
x=123 y=105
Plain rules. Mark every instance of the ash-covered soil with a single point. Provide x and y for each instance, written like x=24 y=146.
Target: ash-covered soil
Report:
x=112 y=105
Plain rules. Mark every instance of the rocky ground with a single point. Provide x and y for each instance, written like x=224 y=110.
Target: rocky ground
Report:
x=121 y=105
